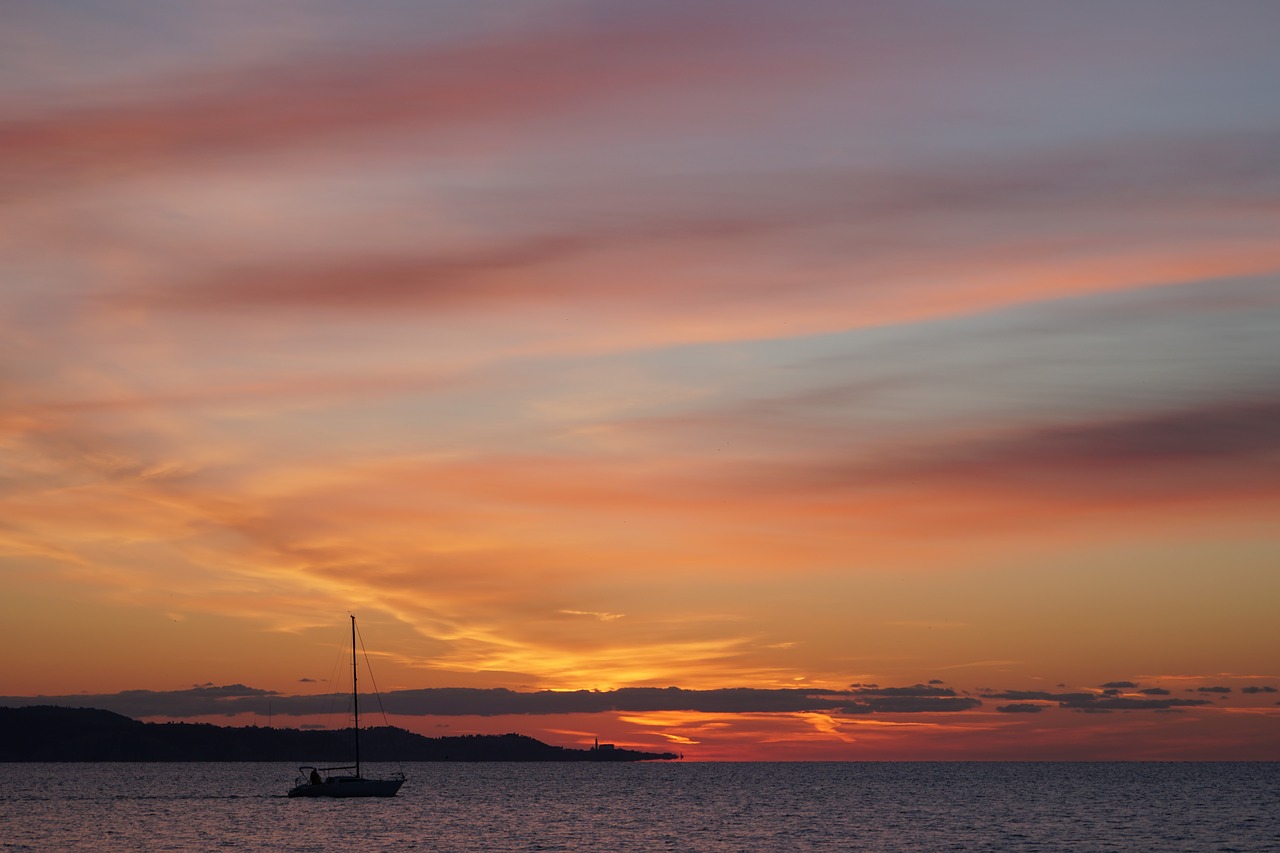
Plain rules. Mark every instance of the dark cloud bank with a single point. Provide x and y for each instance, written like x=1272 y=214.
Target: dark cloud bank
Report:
x=208 y=699
x=1093 y=703
x=466 y=701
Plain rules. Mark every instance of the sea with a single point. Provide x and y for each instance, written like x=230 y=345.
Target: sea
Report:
x=659 y=806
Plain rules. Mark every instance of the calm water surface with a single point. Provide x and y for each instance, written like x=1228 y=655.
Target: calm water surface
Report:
x=677 y=806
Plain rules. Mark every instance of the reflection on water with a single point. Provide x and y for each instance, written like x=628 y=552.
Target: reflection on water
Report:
x=669 y=806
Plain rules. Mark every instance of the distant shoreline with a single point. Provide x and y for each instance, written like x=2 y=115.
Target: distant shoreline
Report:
x=51 y=733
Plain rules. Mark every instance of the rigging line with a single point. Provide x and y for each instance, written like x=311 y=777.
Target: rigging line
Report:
x=336 y=695
x=377 y=694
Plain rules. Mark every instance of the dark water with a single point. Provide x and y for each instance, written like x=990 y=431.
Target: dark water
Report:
x=677 y=806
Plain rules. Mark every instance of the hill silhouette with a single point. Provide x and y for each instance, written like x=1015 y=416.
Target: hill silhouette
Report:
x=54 y=733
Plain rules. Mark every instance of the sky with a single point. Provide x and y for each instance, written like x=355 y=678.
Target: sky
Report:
x=805 y=381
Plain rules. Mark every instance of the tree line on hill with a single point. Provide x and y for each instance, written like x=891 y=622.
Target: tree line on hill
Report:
x=52 y=733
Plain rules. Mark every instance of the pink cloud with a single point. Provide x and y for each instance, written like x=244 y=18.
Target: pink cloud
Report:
x=525 y=76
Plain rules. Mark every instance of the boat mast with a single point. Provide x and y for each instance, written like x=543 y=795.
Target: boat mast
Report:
x=355 y=694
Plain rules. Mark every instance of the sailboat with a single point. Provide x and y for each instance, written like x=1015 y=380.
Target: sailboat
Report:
x=321 y=781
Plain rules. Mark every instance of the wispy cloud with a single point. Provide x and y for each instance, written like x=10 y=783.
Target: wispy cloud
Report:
x=1229 y=432
x=583 y=249
x=340 y=96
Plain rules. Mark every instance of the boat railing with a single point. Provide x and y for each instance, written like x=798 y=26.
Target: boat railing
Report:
x=305 y=771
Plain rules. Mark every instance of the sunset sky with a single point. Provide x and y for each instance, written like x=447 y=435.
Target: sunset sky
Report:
x=805 y=380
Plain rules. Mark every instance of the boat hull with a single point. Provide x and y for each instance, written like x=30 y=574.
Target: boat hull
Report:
x=348 y=787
